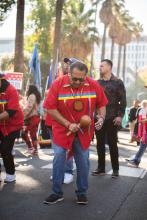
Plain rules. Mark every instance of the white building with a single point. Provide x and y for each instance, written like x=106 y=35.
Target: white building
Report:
x=7 y=46
x=136 y=58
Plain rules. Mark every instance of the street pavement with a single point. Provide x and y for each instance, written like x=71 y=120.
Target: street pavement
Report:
x=124 y=198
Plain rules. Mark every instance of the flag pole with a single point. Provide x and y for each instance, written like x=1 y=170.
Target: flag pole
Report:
x=28 y=83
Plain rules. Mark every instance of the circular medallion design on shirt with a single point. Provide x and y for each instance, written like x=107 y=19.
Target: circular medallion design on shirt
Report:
x=78 y=105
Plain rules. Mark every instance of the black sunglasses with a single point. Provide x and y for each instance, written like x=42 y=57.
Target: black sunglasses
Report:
x=77 y=79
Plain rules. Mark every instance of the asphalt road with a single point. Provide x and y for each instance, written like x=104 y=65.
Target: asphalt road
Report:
x=124 y=198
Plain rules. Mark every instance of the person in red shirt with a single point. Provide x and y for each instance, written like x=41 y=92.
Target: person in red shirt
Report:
x=68 y=174
x=32 y=119
x=142 y=135
x=11 y=122
x=71 y=97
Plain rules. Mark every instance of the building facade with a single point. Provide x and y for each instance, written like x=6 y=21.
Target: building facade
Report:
x=136 y=58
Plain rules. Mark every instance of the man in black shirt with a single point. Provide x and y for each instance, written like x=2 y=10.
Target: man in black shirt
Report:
x=115 y=109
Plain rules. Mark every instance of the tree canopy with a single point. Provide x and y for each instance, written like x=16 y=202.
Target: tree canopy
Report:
x=41 y=22
x=5 y=5
x=78 y=30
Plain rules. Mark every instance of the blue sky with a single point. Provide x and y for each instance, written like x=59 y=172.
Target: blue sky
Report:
x=137 y=9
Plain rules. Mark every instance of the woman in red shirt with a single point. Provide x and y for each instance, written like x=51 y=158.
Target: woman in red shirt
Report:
x=11 y=122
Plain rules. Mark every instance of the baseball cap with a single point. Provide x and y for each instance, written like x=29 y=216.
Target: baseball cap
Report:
x=71 y=60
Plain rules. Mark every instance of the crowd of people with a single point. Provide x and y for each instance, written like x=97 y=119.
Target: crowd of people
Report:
x=75 y=107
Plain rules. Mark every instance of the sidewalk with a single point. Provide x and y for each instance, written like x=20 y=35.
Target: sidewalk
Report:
x=119 y=199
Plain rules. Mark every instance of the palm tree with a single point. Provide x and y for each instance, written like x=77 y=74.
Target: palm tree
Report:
x=79 y=31
x=137 y=29
x=57 y=35
x=113 y=33
x=19 y=40
x=109 y=9
x=105 y=16
x=94 y=4
x=126 y=34
x=5 y=6
x=123 y=38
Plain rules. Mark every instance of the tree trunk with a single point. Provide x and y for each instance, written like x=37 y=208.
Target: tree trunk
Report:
x=57 y=35
x=19 y=39
x=119 y=59
x=104 y=42
x=124 y=63
x=92 y=49
x=136 y=63
x=91 y=62
x=112 y=50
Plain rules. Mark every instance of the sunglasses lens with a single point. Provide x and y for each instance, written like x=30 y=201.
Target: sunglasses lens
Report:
x=77 y=79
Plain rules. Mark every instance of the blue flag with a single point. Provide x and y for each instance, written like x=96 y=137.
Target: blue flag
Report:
x=50 y=77
x=35 y=68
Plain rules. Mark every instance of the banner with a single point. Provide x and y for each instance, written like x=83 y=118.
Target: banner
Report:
x=15 y=79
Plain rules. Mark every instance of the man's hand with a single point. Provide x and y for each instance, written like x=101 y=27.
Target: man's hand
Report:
x=73 y=127
x=117 y=121
x=99 y=123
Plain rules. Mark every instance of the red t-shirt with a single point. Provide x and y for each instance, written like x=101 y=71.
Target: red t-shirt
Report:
x=9 y=100
x=48 y=120
x=61 y=97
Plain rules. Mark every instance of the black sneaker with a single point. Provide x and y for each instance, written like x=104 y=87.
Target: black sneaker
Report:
x=129 y=159
x=98 y=172
x=52 y=199
x=82 y=200
x=133 y=164
x=115 y=174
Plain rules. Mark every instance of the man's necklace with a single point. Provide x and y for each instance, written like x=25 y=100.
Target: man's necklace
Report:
x=78 y=104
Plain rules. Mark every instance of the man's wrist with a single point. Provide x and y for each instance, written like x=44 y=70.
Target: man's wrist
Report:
x=67 y=124
x=101 y=116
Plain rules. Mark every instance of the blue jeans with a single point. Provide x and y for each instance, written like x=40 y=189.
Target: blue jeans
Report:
x=69 y=166
x=81 y=157
x=69 y=163
x=140 y=152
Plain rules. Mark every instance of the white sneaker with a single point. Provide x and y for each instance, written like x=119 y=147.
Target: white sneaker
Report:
x=68 y=178
x=51 y=178
x=9 y=178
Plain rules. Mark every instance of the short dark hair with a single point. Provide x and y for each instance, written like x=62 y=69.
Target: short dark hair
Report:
x=80 y=66
x=108 y=61
x=34 y=90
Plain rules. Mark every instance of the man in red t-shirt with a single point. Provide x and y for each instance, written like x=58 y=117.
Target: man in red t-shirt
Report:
x=68 y=174
x=71 y=97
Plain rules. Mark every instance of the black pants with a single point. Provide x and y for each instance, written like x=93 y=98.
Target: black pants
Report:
x=108 y=132
x=6 y=146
